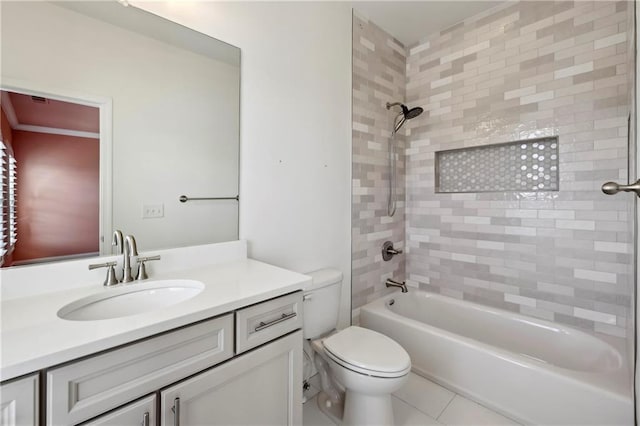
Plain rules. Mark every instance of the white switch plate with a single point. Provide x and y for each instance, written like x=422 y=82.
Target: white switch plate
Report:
x=152 y=211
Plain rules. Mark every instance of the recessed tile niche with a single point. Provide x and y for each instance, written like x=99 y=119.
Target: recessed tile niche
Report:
x=523 y=166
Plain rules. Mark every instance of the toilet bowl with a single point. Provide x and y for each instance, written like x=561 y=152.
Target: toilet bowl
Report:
x=369 y=367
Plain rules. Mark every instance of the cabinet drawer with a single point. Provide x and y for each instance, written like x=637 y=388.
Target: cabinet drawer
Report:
x=86 y=388
x=139 y=413
x=268 y=320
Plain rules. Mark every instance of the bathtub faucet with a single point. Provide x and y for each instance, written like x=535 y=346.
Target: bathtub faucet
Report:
x=394 y=283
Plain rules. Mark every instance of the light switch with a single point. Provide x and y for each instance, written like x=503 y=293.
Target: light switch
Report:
x=152 y=211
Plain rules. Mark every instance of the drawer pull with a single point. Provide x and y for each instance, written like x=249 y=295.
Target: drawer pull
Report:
x=145 y=419
x=284 y=317
x=176 y=412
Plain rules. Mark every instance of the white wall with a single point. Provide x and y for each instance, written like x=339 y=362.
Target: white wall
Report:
x=295 y=126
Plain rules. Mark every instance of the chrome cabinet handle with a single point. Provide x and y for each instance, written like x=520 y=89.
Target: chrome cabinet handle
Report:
x=283 y=317
x=145 y=419
x=176 y=412
x=612 y=188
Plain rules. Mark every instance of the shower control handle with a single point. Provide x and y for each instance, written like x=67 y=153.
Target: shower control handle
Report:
x=388 y=251
x=612 y=188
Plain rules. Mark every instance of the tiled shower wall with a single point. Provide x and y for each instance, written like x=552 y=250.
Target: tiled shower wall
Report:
x=378 y=77
x=526 y=70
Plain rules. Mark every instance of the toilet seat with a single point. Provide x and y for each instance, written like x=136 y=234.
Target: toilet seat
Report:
x=367 y=352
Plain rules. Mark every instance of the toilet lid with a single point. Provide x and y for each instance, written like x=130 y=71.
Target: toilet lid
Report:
x=368 y=352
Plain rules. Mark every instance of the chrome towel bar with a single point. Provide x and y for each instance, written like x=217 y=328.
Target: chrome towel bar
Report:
x=184 y=198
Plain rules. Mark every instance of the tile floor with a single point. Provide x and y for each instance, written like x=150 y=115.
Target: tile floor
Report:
x=419 y=402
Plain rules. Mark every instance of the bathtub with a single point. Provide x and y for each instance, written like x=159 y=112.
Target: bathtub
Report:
x=534 y=371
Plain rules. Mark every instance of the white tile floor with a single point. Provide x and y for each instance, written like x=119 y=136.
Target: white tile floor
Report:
x=421 y=402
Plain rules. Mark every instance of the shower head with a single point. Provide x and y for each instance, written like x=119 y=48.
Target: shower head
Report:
x=411 y=113
x=406 y=114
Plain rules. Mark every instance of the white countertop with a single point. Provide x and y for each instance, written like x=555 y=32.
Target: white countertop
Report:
x=32 y=336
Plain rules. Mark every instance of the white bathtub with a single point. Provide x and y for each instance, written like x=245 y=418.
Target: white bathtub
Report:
x=534 y=371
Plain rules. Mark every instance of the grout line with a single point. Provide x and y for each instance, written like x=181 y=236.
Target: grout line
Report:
x=446 y=406
x=411 y=407
x=420 y=409
x=414 y=407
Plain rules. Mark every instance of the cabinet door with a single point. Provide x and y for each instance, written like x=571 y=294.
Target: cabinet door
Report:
x=261 y=387
x=139 y=413
x=19 y=402
x=84 y=389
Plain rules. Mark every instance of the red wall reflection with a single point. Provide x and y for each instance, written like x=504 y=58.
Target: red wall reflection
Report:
x=58 y=195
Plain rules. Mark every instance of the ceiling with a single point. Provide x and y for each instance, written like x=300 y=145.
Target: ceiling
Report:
x=410 y=21
x=33 y=113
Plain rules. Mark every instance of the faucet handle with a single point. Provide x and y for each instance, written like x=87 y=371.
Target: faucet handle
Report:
x=388 y=251
x=111 y=272
x=142 y=269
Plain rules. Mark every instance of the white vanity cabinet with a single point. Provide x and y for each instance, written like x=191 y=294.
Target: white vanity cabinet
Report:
x=261 y=387
x=19 y=402
x=83 y=389
x=240 y=368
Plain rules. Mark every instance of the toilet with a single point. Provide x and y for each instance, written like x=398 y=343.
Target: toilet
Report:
x=368 y=366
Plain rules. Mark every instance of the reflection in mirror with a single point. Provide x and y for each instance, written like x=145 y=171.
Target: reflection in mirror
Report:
x=169 y=117
x=55 y=151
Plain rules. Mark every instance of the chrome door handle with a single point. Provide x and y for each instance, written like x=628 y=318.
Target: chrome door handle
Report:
x=612 y=188
x=145 y=419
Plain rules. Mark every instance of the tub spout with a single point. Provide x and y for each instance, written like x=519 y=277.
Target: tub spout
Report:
x=393 y=283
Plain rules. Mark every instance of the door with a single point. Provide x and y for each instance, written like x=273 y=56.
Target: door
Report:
x=261 y=387
x=613 y=188
x=19 y=402
x=636 y=130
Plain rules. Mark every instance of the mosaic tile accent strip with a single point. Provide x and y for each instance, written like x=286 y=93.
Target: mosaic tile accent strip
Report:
x=527 y=165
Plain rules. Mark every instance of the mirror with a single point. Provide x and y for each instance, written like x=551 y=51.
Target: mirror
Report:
x=168 y=104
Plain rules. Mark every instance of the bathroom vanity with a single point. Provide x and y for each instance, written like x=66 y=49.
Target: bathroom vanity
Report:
x=232 y=354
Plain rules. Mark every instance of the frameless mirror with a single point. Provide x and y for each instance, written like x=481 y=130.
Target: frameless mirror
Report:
x=164 y=101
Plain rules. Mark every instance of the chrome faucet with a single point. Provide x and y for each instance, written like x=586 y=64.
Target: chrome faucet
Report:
x=117 y=240
x=130 y=250
x=393 y=283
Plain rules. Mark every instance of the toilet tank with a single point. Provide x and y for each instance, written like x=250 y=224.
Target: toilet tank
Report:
x=321 y=302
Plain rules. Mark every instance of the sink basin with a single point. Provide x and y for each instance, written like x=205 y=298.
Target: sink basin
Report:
x=130 y=299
